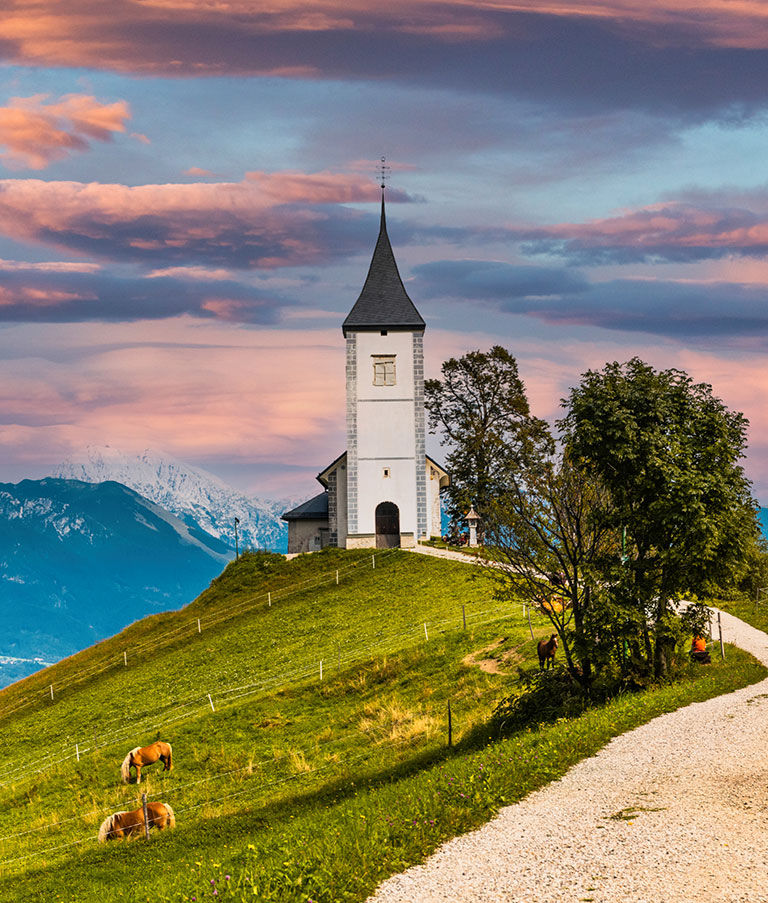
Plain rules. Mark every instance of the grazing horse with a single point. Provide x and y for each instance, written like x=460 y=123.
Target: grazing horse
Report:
x=123 y=824
x=546 y=650
x=146 y=755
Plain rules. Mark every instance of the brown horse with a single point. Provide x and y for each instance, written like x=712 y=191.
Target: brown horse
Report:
x=123 y=824
x=546 y=650
x=140 y=756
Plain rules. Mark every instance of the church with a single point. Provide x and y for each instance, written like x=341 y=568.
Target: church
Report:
x=384 y=490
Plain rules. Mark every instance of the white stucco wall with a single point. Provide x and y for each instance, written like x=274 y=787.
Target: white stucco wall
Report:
x=385 y=431
x=397 y=488
x=399 y=343
x=433 y=501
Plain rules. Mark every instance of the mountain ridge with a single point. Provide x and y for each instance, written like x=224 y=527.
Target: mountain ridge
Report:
x=79 y=561
x=191 y=493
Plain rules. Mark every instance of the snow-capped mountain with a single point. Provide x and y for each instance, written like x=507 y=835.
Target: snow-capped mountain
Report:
x=192 y=494
x=78 y=562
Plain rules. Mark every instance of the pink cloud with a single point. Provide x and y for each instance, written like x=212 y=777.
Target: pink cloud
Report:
x=198 y=393
x=153 y=35
x=35 y=133
x=52 y=266
x=677 y=230
x=268 y=219
x=213 y=391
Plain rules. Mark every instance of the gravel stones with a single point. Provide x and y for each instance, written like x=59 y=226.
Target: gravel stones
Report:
x=671 y=812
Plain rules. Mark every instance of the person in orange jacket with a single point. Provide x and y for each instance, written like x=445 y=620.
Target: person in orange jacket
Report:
x=699 y=650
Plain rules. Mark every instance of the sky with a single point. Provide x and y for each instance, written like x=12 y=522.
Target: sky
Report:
x=189 y=202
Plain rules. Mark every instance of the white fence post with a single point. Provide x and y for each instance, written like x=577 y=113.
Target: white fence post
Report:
x=211 y=702
x=199 y=628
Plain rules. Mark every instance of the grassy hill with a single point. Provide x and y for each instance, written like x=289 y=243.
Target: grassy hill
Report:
x=288 y=785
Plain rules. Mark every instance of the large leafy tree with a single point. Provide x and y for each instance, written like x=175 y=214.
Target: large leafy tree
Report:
x=480 y=407
x=550 y=540
x=668 y=452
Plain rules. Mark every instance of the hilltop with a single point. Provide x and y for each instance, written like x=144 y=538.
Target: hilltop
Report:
x=288 y=783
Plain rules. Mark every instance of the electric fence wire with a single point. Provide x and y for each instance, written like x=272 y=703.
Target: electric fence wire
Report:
x=223 y=614
x=276 y=782
x=222 y=694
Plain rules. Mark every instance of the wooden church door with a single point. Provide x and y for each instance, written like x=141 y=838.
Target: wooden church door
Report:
x=387 y=526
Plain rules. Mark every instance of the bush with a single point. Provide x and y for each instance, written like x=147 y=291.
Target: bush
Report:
x=543 y=696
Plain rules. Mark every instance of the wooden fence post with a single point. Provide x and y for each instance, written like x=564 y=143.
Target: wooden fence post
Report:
x=125 y=658
x=450 y=726
x=373 y=561
x=337 y=578
x=146 y=814
x=51 y=691
x=720 y=631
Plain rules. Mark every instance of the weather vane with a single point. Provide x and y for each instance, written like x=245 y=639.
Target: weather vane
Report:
x=382 y=171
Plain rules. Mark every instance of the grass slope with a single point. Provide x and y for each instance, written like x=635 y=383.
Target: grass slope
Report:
x=293 y=789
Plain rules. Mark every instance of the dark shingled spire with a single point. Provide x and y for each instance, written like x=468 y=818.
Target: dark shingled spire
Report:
x=383 y=302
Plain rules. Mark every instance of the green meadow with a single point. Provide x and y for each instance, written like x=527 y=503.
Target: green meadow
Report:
x=307 y=705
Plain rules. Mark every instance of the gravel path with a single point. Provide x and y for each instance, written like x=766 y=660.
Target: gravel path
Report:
x=675 y=810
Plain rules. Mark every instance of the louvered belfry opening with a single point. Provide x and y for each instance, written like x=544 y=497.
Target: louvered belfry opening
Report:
x=387 y=526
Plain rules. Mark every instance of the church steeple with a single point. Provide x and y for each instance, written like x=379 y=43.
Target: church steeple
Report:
x=383 y=303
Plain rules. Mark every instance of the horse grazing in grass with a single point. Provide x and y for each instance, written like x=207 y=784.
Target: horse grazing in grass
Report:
x=140 y=756
x=123 y=824
x=546 y=650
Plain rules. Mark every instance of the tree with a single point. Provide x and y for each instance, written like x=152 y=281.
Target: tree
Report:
x=550 y=539
x=481 y=407
x=668 y=452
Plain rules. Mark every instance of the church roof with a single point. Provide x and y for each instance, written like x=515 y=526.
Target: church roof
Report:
x=383 y=302
x=315 y=509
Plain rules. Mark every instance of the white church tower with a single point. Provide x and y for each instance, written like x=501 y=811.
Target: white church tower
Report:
x=384 y=490
x=386 y=477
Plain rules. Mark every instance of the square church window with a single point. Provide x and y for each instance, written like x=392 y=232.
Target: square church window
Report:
x=384 y=370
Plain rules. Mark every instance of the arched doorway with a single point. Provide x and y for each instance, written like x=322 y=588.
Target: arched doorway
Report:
x=387 y=526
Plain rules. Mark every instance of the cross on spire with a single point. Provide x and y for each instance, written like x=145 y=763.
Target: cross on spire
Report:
x=382 y=171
